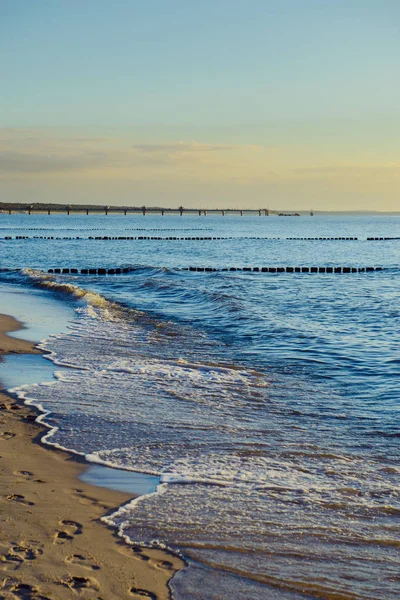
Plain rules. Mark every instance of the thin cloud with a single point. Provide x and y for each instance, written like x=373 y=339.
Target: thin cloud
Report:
x=179 y=147
x=28 y=152
x=19 y=162
x=345 y=169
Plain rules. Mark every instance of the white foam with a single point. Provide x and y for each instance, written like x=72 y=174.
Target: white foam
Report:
x=188 y=373
x=21 y=394
x=121 y=517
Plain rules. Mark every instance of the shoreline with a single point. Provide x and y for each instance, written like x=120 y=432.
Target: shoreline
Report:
x=11 y=345
x=52 y=541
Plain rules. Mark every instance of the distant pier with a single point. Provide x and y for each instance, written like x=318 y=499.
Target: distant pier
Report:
x=94 y=209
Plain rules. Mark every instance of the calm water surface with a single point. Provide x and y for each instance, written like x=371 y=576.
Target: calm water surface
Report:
x=267 y=403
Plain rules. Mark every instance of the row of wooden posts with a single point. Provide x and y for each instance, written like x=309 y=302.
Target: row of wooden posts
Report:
x=191 y=238
x=119 y=270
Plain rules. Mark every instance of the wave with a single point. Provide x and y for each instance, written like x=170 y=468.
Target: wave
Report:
x=214 y=434
x=47 y=281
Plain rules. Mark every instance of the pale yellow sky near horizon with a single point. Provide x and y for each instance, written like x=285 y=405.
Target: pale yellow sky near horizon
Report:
x=51 y=165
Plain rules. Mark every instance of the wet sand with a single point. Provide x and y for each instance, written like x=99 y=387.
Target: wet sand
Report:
x=52 y=542
x=9 y=345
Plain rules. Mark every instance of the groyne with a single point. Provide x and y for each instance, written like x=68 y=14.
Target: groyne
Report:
x=274 y=269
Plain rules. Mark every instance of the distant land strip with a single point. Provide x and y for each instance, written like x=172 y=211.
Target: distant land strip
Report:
x=40 y=207
x=51 y=207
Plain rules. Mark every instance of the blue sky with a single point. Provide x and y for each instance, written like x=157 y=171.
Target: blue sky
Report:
x=287 y=85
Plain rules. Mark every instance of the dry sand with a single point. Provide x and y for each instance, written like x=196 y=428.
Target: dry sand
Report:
x=52 y=542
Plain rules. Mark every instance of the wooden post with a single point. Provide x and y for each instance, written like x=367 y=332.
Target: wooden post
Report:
x=87 y=211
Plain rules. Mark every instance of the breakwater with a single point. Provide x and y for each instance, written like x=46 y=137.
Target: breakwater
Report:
x=196 y=238
x=121 y=270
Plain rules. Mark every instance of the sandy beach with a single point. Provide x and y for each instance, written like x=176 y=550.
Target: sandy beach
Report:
x=52 y=542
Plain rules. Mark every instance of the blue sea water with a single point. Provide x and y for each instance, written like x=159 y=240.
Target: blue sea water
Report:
x=267 y=403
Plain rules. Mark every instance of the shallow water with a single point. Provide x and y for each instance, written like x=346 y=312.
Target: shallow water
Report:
x=267 y=403
x=123 y=481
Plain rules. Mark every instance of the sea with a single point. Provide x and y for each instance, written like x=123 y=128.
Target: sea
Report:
x=266 y=404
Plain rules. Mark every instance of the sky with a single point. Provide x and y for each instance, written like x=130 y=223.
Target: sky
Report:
x=280 y=104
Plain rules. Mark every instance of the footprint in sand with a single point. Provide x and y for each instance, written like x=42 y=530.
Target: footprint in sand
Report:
x=4 y=406
x=10 y=562
x=28 y=475
x=31 y=418
x=18 y=589
x=89 y=501
x=68 y=531
x=17 y=555
x=81 y=583
x=61 y=537
x=20 y=499
x=162 y=565
x=82 y=561
x=26 y=552
x=72 y=526
x=139 y=594
x=6 y=435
